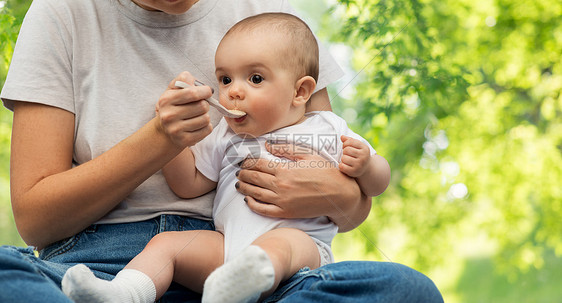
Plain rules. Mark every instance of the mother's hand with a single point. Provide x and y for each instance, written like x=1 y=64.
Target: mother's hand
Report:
x=308 y=187
x=183 y=113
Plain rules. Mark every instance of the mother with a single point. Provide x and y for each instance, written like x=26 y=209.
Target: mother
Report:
x=87 y=149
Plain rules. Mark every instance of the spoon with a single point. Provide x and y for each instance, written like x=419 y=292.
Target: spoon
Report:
x=231 y=113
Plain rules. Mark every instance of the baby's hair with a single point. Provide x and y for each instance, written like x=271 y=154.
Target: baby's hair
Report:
x=301 y=52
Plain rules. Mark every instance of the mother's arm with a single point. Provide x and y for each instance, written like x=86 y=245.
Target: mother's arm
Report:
x=52 y=200
x=307 y=191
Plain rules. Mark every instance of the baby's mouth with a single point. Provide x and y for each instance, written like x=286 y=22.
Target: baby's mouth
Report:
x=238 y=120
x=237 y=111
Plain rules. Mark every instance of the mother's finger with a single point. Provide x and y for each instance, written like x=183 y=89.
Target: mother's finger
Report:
x=185 y=76
x=260 y=164
x=265 y=209
x=195 y=123
x=263 y=194
x=256 y=179
x=183 y=112
x=184 y=117
x=181 y=96
x=184 y=126
x=192 y=110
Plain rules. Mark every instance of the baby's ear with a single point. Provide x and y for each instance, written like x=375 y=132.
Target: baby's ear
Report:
x=304 y=88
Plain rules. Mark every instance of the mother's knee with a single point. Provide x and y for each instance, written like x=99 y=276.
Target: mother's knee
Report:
x=392 y=281
x=412 y=285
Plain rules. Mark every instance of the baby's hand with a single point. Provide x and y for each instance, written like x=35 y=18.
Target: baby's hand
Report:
x=356 y=156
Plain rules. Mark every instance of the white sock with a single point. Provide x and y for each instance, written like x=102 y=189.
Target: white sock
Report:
x=129 y=285
x=241 y=280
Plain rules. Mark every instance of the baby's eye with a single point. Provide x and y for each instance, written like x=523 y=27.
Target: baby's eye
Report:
x=256 y=79
x=226 y=80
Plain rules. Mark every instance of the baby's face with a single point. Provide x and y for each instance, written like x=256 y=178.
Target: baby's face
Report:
x=253 y=78
x=172 y=7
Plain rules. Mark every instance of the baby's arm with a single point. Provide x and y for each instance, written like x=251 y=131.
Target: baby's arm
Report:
x=371 y=172
x=183 y=177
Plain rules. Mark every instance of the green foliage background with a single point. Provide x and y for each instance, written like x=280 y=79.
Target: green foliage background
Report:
x=11 y=16
x=464 y=100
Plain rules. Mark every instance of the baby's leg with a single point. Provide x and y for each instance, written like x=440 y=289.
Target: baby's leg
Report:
x=187 y=257
x=289 y=250
x=257 y=271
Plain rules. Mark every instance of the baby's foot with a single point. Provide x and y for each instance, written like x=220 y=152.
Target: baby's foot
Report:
x=81 y=285
x=241 y=280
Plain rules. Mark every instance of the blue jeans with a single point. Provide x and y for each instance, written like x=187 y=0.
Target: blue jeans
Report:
x=107 y=248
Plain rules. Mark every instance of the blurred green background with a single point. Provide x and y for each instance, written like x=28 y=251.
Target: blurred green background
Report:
x=463 y=98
